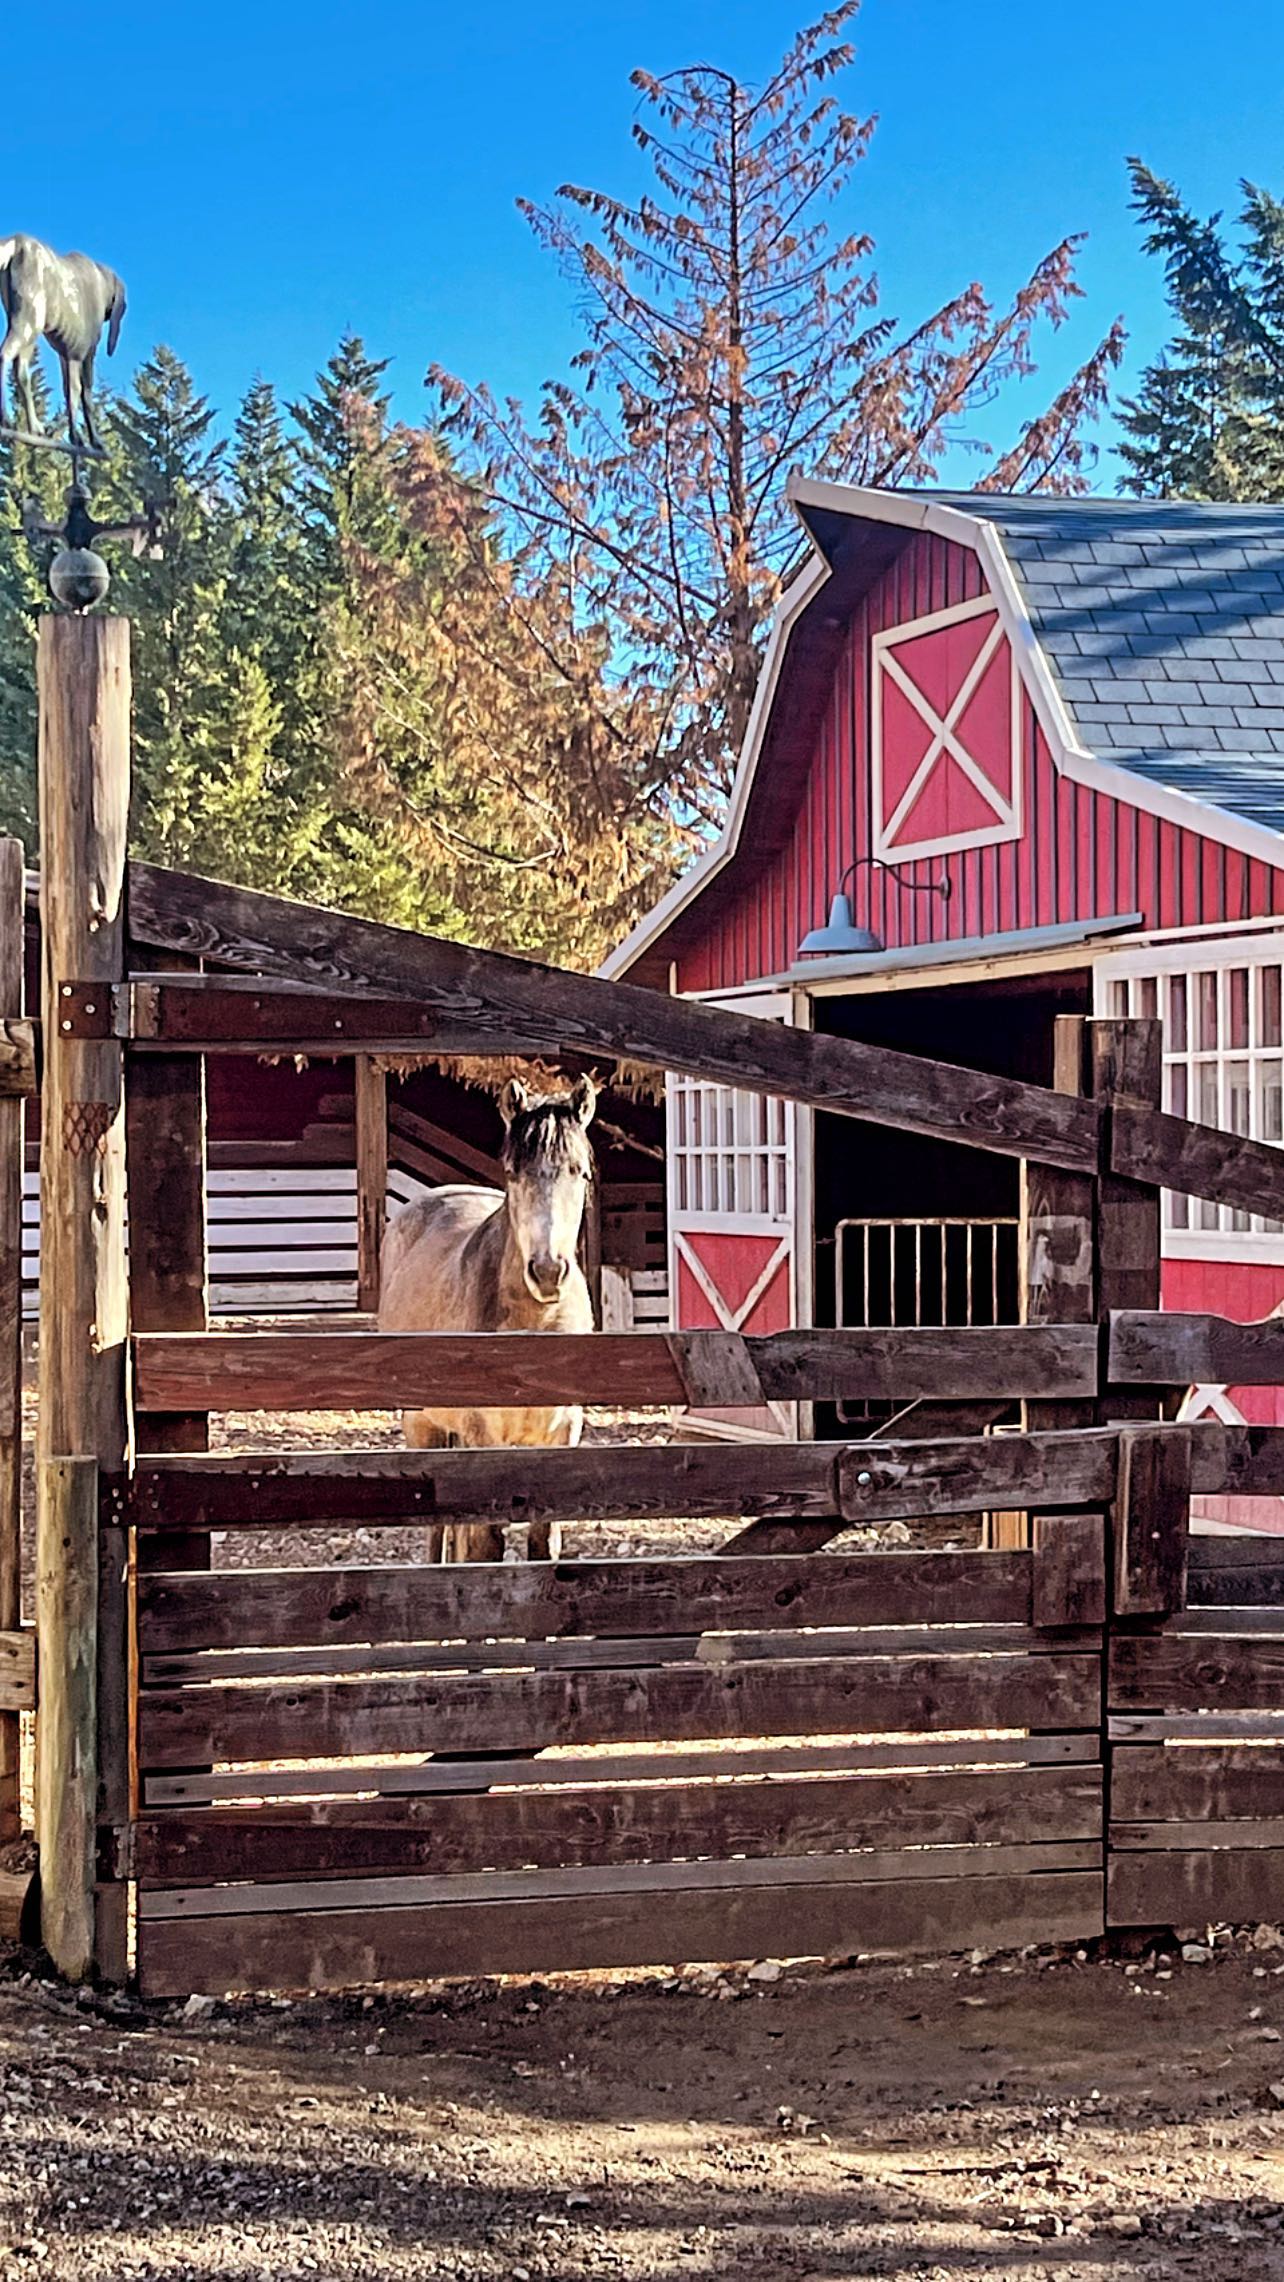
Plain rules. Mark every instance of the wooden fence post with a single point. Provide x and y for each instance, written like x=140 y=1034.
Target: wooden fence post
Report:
x=1058 y=1240
x=1152 y=1520
x=67 y=1759
x=370 y=1083
x=83 y=669
x=168 y=1268
x=1127 y=1058
x=12 y=914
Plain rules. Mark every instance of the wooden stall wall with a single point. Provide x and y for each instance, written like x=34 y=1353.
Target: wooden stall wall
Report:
x=1197 y=1748
x=747 y=1702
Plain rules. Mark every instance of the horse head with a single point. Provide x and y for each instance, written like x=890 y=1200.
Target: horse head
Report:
x=548 y=1166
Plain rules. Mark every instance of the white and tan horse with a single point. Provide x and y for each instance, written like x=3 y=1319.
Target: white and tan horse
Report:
x=478 y=1259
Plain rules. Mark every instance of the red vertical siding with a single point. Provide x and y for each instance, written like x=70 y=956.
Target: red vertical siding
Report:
x=1082 y=855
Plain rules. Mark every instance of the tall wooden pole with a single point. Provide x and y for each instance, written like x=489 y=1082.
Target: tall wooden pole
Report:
x=83 y=670
x=12 y=911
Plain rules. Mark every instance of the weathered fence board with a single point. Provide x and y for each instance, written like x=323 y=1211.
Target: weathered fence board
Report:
x=1199 y=1785
x=1146 y=1144
x=1230 y=1572
x=1068 y=1572
x=1174 y=1671
x=1244 y=1885
x=852 y=1695
x=381 y=1370
x=399 y=1781
x=599 y=1482
x=880 y=1482
x=617 y=1823
x=457 y=1888
x=1151 y=1520
x=1149 y=1348
x=492 y=993
x=343 y=1948
x=270 y=1608
x=579 y=1655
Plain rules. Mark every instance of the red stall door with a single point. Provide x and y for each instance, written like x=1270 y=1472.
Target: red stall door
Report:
x=732 y=1173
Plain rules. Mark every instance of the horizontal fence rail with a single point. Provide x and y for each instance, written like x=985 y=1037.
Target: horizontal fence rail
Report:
x=177 y=1371
x=861 y=1482
x=857 y=1483
x=1149 y=1349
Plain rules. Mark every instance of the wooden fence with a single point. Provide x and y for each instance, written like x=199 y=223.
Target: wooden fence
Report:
x=320 y=1774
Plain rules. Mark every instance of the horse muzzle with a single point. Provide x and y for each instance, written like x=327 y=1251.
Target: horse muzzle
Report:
x=545 y=1277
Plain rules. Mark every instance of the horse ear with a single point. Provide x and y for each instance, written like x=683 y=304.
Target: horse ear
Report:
x=584 y=1099
x=513 y=1100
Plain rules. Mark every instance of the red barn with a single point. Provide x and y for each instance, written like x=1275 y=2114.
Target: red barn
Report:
x=1040 y=745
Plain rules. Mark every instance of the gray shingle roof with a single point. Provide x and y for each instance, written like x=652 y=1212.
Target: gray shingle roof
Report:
x=1163 y=623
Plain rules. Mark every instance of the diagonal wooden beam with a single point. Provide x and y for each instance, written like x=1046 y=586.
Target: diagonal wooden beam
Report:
x=498 y=997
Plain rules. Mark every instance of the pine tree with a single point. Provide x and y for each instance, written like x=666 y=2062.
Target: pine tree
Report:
x=42 y=479
x=263 y=602
x=344 y=489
x=1208 y=419
x=730 y=336
x=163 y=445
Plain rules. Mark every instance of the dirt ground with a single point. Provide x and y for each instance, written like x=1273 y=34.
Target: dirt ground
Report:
x=945 y=2123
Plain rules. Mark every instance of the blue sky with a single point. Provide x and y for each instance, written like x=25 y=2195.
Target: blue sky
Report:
x=265 y=175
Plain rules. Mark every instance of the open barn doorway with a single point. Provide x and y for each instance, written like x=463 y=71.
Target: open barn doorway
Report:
x=909 y=1230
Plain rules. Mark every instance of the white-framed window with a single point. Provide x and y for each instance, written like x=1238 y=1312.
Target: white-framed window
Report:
x=1221 y=1004
x=729 y=1153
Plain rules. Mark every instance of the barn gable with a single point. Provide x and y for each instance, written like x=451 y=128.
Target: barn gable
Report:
x=1065 y=712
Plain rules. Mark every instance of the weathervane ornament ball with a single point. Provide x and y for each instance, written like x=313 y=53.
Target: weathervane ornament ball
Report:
x=78 y=578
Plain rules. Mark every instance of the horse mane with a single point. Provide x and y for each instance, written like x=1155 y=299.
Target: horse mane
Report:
x=547 y=1132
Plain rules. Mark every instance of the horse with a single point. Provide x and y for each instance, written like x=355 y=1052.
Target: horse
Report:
x=478 y=1259
x=68 y=298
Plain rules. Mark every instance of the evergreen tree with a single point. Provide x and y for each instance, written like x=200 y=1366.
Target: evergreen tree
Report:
x=344 y=450
x=163 y=445
x=1208 y=419
x=42 y=479
x=263 y=606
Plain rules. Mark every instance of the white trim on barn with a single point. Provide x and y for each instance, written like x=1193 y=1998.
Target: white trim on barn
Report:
x=803 y=590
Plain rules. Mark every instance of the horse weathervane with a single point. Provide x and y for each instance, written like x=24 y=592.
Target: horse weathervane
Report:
x=67 y=300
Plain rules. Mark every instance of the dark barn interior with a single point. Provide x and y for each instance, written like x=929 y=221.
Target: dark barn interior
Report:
x=907 y=1270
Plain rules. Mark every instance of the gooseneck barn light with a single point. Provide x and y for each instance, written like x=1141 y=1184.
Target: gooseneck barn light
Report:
x=840 y=936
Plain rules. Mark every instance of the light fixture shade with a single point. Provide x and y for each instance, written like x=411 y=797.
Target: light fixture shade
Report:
x=840 y=934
